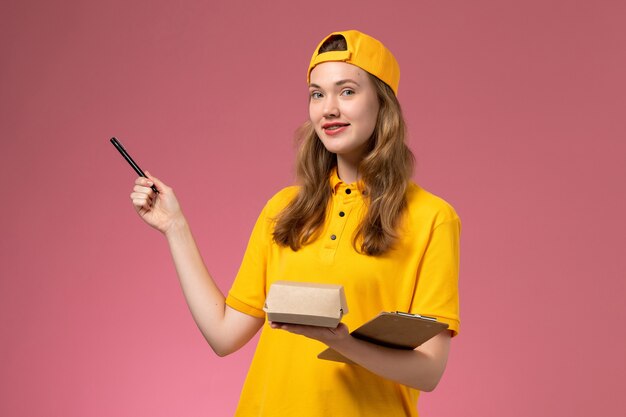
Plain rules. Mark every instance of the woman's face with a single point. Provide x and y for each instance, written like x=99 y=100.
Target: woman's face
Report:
x=343 y=107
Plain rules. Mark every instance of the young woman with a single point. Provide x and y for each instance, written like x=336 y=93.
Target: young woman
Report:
x=354 y=219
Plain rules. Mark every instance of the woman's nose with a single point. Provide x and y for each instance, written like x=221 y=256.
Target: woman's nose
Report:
x=331 y=108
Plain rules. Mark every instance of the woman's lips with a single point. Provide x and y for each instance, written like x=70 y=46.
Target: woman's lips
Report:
x=334 y=128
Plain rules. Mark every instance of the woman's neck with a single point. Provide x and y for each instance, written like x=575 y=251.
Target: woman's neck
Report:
x=347 y=171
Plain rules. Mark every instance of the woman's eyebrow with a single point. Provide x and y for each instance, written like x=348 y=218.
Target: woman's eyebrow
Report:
x=339 y=83
x=346 y=81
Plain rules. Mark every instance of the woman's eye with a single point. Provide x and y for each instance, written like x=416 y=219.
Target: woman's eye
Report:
x=316 y=94
x=347 y=92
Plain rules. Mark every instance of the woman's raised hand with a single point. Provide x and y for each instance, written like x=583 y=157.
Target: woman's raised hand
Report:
x=162 y=210
x=225 y=328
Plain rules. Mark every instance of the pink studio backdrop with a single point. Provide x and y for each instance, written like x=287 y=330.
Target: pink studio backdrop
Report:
x=516 y=115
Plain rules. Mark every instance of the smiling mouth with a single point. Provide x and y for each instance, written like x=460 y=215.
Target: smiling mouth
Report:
x=335 y=126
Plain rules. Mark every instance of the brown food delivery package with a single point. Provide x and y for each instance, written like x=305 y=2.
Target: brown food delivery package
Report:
x=306 y=303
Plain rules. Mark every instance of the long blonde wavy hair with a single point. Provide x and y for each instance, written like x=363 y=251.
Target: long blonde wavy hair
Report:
x=385 y=172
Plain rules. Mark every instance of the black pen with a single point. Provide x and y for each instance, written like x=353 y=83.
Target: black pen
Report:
x=132 y=163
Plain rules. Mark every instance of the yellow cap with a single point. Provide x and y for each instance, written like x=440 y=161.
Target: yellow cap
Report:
x=366 y=53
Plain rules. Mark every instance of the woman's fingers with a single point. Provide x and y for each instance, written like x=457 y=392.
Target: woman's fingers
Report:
x=157 y=182
x=141 y=201
x=143 y=189
x=325 y=335
x=159 y=209
x=144 y=182
x=142 y=195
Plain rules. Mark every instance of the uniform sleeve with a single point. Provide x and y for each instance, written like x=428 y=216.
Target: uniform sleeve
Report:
x=437 y=293
x=247 y=293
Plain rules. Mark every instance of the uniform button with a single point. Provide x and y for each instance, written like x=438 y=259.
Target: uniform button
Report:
x=341 y=214
x=333 y=237
x=348 y=191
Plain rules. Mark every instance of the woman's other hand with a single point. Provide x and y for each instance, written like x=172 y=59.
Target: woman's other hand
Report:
x=327 y=335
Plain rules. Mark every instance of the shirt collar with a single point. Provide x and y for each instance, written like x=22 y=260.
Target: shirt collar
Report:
x=337 y=183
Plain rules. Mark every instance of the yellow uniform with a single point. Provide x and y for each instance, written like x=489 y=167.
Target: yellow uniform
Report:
x=420 y=275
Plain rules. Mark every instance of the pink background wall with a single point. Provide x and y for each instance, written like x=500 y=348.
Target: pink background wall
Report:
x=516 y=113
